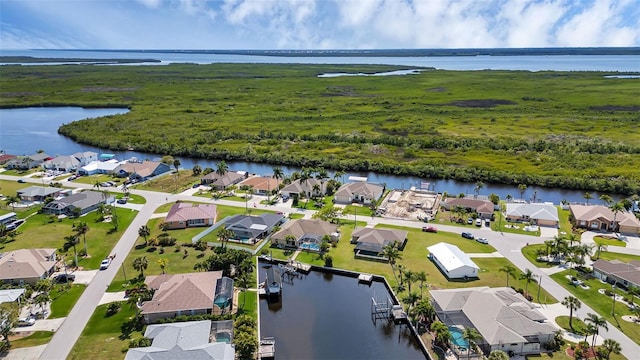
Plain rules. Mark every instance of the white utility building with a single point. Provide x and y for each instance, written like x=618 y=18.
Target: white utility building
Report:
x=452 y=261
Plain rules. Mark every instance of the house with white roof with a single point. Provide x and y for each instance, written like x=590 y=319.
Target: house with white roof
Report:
x=505 y=319
x=85 y=157
x=100 y=167
x=361 y=192
x=541 y=214
x=452 y=261
x=62 y=163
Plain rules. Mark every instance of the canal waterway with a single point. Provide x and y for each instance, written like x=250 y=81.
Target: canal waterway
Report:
x=26 y=130
x=328 y=316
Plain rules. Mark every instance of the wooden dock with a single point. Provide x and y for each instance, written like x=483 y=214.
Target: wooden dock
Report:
x=299 y=266
x=365 y=278
x=267 y=348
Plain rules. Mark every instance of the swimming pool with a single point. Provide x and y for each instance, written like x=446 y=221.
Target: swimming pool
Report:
x=457 y=338
x=223 y=337
x=310 y=246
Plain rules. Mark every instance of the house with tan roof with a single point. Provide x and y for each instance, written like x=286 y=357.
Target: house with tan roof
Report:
x=505 y=319
x=360 y=192
x=221 y=182
x=540 y=214
x=304 y=232
x=304 y=188
x=618 y=272
x=261 y=185
x=370 y=242
x=180 y=294
x=483 y=208
x=182 y=340
x=27 y=266
x=599 y=217
x=38 y=193
x=141 y=171
x=183 y=215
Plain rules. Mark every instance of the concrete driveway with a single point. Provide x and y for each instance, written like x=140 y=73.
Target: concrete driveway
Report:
x=82 y=276
x=548 y=232
x=42 y=325
x=28 y=353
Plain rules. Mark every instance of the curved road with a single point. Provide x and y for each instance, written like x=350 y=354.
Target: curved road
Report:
x=509 y=245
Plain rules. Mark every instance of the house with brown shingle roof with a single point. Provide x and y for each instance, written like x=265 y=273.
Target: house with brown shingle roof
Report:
x=180 y=294
x=618 y=272
x=599 y=217
x=483 y=208
x=141 y=171
x=220 y=182
x=304 y=231
x=27 y=266
x=184 y=215
x=261 y=185
x=370 y=242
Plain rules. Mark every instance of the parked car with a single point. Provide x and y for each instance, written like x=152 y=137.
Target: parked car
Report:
x=21 y=181
x=123 y=200
x=64 y=278
x=430 y=229
x=470 y=221
x=487 y=222
x=467 y=235
x=478 y=222
x=105 y=264
x=26 y=321
x=195 y=185
x=482 y=240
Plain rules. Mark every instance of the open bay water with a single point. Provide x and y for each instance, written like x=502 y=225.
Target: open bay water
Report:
x=328 y=316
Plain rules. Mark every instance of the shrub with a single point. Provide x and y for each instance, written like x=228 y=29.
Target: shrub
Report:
x=113 y=308
x=608 y=292
x=140 y=342
x=328 y=261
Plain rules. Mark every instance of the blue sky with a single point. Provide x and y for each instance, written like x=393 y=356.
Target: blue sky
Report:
x=317 y=24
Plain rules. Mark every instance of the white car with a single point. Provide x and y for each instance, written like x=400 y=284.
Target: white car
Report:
x=105 y=264
x=28 y=321
x=482 y=240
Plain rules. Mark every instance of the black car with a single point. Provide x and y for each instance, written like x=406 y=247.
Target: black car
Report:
x=64 y=278
x=467 y=235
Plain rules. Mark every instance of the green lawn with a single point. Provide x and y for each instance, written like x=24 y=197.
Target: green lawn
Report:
x=248 y=303
x=99 y=178
x=170 y=182
x=357 y=210
x=609 y=241
x=63 y=299
x=502 y=225
x=41 y=232
x=530 y=252
x=35 y=339
x=565 y=225
x=577 y=323
x=133 y=199
x=601 y=303
x=102 y=337
x=294 y=216
x=311 y=258
x=606 y=255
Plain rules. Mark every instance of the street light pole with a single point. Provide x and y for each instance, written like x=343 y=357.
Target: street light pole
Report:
x=613 y=306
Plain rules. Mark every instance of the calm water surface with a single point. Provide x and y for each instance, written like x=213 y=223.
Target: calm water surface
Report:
x=325 y=316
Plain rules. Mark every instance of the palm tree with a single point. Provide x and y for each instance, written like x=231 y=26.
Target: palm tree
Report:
x=479 y=186
x=633 y=292
x=278 y=174
x=509 y=197
x=316 y=189
x=598 y=322
x=611 y=346
x=339 y=175
x=587 y=196
x=304 y=179
x=176 y=164
x=572 y=237
x=224 y=235
x=222 y=168
x=243 y=282
x=163 y=262
x=81 y=228
x=42 y=299
x=424 y=310
x=70 y=242
x=411 y=299
x=442 y=333
x=498 y=355
x=197 y=170
x=141 y=263
x=548 y=244
x=409 y=277
x=606 y=199
x=521 y=189
x=392 y=253
x=528 y=276
x=422 y=277
x=11 y=201
x=471 y=335
x=572 y=304
x=616 y=208
x=144 y=232
x=599 y=248
x=510 y=271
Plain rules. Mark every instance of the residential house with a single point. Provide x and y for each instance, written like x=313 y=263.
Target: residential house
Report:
x=599 y=217
x=184 y=215
x=252 y=227
x=505 y=319
x=86 y=157
x=27 y=266
x=141 y=171
x=180 y=294
x=78 y=204
x=261 y=185
x=27 y=162
x=483 y=208
x=452 y=261
x=370 y=242
x=5 y=158
x=38 y=193
x=100 y=167
x=11 y=295
x=8 y=218
x=618 y=272
x=221 y=182
x=304 y=189
x=361 y=192
x=65 y=163
x=297 y=233
x=182 y=340
x=541 y=214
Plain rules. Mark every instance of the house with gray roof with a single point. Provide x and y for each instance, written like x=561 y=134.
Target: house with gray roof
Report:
x=452 y=261
x=27 y=266
x=618 y=272
x=141 y=171
x=370 y=242
x=85 y=157
x=505 y=319
x=361 y=192
x=28 y=162
x=183 y=215
x=252 y=227
x=38 y=193
x=182 y=340
x=62 y=163
x=221 y=182
x=304 y=231
x=541 y=214
x=11 y=295
x=78 y=204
